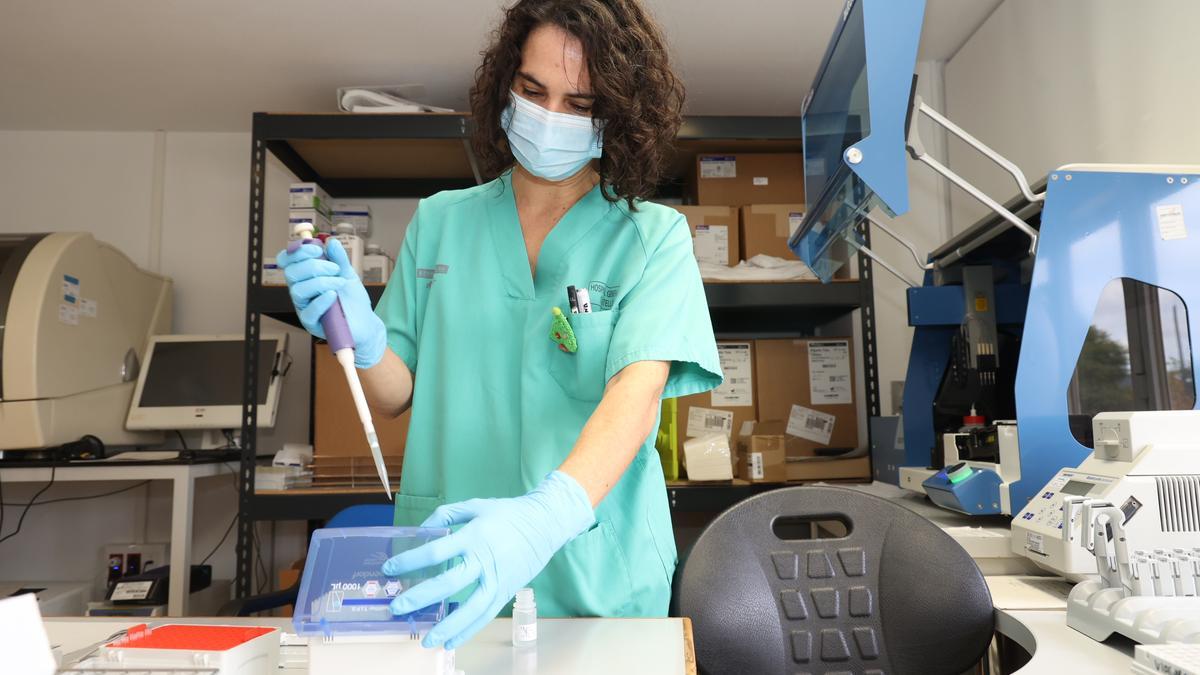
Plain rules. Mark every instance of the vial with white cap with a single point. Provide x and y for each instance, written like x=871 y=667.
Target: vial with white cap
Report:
x=524 y=619
x=345 y=233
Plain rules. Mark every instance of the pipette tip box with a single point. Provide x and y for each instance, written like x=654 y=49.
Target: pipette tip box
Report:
x=343 y=606
x=222 y=650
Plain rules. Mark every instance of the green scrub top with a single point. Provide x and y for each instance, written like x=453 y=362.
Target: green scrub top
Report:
x=497 y=405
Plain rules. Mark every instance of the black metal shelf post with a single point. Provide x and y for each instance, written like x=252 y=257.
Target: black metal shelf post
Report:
x=739 y=311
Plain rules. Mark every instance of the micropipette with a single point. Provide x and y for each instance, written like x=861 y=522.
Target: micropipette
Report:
x=337 y=334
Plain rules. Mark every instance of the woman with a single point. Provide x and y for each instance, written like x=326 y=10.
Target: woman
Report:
x=576 y=108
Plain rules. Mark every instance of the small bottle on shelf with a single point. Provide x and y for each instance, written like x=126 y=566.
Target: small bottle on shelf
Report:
x=376 y=266
x=344 y=232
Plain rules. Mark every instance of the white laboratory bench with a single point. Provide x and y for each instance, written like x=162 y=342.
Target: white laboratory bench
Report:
x=183 y=477
x=1030 y=611
x=576 y=646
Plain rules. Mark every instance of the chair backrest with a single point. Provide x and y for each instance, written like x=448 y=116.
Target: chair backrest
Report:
x=362 y=515
x=896 y=595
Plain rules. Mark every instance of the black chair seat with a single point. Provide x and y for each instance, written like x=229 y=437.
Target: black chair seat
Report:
x=895 y=596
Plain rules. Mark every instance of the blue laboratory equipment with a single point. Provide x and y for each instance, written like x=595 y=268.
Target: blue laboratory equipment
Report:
x=1003 y=308
x=344 y=592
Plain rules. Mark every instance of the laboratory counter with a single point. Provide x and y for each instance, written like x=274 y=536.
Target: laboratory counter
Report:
x=646 y=646
x=576 y=646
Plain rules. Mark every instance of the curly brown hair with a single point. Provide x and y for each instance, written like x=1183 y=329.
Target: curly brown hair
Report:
x=638 y=96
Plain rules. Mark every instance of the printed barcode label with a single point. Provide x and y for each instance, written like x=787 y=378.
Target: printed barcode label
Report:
x=720 y=166
x=707 y=420
x=756 y=466
x=810 y=424
x=737 y=366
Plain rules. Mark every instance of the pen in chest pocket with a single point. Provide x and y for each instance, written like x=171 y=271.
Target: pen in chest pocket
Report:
x=573 y=299
x=584 y=300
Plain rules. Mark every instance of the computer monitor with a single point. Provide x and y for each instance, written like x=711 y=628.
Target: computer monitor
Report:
x=195 y=382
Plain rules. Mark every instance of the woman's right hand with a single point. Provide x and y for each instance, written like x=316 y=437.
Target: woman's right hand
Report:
x=316 y=283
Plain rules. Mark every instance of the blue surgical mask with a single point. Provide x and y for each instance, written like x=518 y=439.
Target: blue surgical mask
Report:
x=549 y=145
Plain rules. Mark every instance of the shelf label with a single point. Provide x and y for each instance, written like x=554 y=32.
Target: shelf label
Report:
x=718 y=166
x=736 y=364
x=829 y=372
x=810 y=424
x=711 y=244
x=1170 y=222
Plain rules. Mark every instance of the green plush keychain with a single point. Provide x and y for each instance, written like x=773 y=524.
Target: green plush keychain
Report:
x=561 y=333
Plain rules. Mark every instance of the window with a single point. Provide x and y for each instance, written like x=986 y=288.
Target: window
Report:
x=1137 y=355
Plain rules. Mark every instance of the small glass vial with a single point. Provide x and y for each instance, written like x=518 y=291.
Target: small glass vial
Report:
x=524 y=619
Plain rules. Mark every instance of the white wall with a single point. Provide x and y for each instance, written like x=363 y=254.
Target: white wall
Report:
x=1052 y=83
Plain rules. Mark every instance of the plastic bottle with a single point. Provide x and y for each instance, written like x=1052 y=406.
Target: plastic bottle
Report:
x=524 y=619
x=344 y=232
x=376 y=266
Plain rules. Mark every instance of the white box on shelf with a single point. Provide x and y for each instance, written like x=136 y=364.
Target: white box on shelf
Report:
x=358 y=215
x=308 y=196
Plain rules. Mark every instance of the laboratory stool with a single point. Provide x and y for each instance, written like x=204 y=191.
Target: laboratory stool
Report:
x=893 y=595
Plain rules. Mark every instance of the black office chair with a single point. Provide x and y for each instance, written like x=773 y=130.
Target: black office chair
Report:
x=894 y=596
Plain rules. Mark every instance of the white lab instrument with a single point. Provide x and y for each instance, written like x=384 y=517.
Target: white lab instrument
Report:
x=1145 y=463
x=186 y=382
x=1176 y=659
x=376 y=266
x=54 y=598
x=75 y=318
x=345 y=233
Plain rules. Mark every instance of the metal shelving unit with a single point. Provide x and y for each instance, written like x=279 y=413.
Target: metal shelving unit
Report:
x=358 y=156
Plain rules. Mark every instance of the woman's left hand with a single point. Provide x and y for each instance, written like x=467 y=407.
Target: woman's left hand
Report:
x=504 y=544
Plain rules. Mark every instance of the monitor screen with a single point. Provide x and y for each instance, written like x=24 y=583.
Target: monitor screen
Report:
x=1077 y=488
x=203 y=373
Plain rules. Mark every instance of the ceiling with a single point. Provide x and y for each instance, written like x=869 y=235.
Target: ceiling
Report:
x=205 y=66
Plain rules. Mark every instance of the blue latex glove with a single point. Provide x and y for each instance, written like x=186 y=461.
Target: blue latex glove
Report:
x=504 y=544
x=314 y=284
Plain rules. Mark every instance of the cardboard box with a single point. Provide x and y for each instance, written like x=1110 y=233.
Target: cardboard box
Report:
x=319 y=220
x=809 y=384
x=855 y=468
x=308 y=196
x=765 y=229
x=715 y=233
x=336 y=429
x=748 y=178
x=708 y=457
x=358 y=215
x=728 y=407
x=762 y=453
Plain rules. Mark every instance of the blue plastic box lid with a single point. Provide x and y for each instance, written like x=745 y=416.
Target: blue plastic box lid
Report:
x=344 y=591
